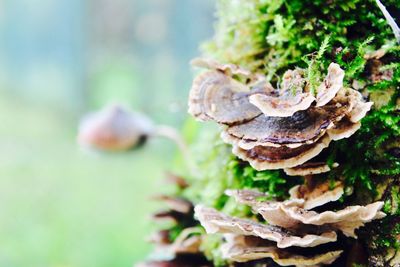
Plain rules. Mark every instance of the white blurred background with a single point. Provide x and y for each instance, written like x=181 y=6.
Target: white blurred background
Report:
x=59 y=59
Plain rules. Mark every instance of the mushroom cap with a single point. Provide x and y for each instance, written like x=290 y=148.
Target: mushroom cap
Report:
x=160 y=238
x=331 y=85
x=246 y=248
x=360 y=108
x=303 y=127
x=175 y=203
x=186 y=242
x=293 y=96
x=170 y=216
x=176 y=180
x=178 y=261
x=286 y=101
x=113 y=128
x=346 y=220
x=344 y=129
x=289 y=214
x=217 y=222
x=309 y=168
x=284 y=106
x=318 y=195
x=216 y=96
x=270 y=158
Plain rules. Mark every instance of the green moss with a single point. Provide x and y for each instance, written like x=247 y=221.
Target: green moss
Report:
x=272 y=35
x=210 y=247
x=386 y=238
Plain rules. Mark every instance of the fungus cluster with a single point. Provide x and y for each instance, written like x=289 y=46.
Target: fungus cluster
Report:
x=287 y=226
x=276 y=128
x=284 y=128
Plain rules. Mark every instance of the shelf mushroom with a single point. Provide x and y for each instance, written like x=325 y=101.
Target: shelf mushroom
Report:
x=288 y=225
x=276 y=128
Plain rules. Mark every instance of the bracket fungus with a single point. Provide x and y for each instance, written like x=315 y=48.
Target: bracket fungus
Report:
x=318 y=195
x=271 y=128
x=216 y=96
x=310 y=168
x=294 y=94
x=180 y=212
x=216 y=222
x=289 y=224
x=246 y=248
x=292 y=214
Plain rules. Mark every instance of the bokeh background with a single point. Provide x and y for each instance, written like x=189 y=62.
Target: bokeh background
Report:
x=59 y=59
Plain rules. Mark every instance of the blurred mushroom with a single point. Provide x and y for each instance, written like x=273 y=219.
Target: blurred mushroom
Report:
x=160 y=238
x=246 y=248
x=184 y=260
x=175 y=203
x=217 y=222
x=172 y=216
x=188 y=242
x=114 y=128
x=176 y=180
x=117 y=129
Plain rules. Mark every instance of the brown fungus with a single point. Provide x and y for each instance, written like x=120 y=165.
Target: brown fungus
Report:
x=318 y=195
x=270 y=158
x=216 y=222
x=304 y=135
x=286 y=101
x=294 y=96
x=289 y=214
x=276 y=129
x=182 y=260
x=309 y=168
x=187 y=242
x=245 y=249
x=216 y=96
x=305 y=127
x=331 y=85
x=175 y=203
x=345 y=129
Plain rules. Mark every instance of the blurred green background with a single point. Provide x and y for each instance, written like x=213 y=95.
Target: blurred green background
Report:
x=60 y=59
